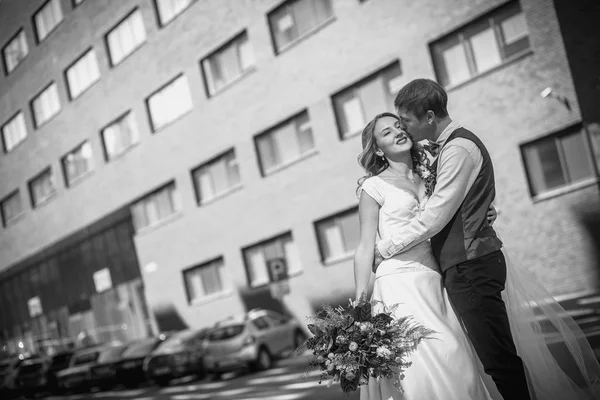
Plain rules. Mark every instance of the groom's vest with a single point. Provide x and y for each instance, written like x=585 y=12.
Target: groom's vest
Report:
x=468 y=235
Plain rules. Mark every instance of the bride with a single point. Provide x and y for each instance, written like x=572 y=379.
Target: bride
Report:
x=445 y=367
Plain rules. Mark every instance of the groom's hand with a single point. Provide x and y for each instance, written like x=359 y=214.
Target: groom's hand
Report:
x=492 y=214
x=377 y=259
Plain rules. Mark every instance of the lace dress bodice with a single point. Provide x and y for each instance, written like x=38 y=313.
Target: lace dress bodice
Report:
x=397 y=208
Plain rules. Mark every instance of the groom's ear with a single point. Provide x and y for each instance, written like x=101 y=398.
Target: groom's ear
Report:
x=430 y=117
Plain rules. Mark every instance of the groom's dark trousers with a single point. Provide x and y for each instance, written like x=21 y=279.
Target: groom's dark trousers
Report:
x=474 y=270
x=474 y=288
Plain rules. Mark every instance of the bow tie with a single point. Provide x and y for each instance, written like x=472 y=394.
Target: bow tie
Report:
x=432 y=147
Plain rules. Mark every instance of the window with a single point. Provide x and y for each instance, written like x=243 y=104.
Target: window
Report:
x=258 y=256
x=357 y=104
x=285 y=143
x=47 y=18
x=11 y=207
x=41 y=188
x=338 y=235
x=204 y=280
x=156 y=207
x=14 y=132
x=77 y=163
x=295 y=19
x=481 y=45
x=82 y=74
x=119 y=136
x=228 y=63
x=169 y=9
x=45 y=105
x=126 y=37
x=559 y=161
x=15 y=51
x=216 y=177
x=170 y=102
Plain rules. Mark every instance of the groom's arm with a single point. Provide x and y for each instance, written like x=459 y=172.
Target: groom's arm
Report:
x=459 y=165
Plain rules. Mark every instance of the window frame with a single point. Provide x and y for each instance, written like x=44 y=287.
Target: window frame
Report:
x=335 y=216
x=359 y=83
x=37 y=125
x=493 y=19
x=127 y=114
x=36 y=34
x=574 y=129
x=274 y=128
x=177 y=206
x=3 y=139
x=300 y=38
x=8 y=42
x=82 y=176
x=208 y=163
x=155 y=129
x=6 y=223
x=48 y=198
x=159 y=21
x=139 y=45
x=262 y=243
x=220 y=265
x=237 y=37
x=92 y=84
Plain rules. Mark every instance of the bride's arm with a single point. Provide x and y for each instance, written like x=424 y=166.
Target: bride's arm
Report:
x=368 y=215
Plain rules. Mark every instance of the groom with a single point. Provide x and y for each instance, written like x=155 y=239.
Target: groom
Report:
x=463 y=242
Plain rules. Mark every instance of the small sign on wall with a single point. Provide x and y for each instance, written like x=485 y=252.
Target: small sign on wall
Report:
x=35 y=306
x=102 y=280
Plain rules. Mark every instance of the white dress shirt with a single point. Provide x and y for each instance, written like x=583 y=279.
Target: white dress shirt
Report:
x=459 y=164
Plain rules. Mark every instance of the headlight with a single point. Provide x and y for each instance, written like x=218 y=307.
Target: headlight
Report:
x=249 y=341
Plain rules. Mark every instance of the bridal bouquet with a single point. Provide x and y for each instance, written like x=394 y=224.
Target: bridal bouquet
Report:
x=351 y=344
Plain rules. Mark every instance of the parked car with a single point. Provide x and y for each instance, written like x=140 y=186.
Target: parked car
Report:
x=104 y=373
x=251 y=341
x=130 y=368
x=58 y=362
x=77 y=376
x=30 y=378
x=180 y=355
x=8 y=372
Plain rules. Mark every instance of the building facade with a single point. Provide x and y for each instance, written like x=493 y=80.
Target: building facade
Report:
x=198 y=142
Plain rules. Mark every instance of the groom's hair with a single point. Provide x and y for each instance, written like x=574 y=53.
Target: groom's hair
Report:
x=421 y=95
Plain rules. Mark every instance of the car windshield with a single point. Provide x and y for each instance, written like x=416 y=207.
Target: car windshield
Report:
x=31 y=368
x=225 y=332
x=111 y=354
x=85 y=358
x=140 y=349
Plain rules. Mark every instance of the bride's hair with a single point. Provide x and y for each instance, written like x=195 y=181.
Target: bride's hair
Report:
x=374 y=165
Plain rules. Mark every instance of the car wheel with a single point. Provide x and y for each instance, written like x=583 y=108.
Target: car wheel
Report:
x=299 y=338
x=263 y=360
x=216 y=376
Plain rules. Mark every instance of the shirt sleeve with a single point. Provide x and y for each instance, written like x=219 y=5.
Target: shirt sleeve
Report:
x=372 y=189
x=456 y=166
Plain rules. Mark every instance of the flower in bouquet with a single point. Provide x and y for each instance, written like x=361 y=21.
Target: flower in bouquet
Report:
x=354 y=343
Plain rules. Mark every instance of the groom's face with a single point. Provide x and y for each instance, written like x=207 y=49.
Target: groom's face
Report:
x=418 y=128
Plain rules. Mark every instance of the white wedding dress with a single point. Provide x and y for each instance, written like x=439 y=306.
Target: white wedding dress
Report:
x=444 y=367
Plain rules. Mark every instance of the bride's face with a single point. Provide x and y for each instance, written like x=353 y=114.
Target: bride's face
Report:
x=390 y=138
